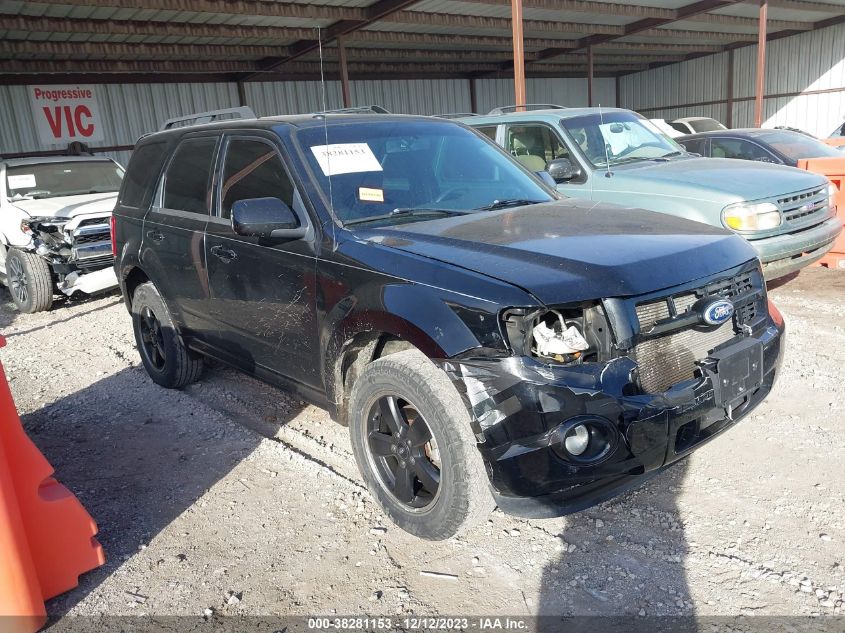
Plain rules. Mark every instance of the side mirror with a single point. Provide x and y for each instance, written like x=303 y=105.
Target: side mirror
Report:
x=562 y=170
x=266 y=217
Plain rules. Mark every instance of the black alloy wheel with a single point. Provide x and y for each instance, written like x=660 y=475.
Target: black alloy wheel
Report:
x=152 y=341
x=404 y=452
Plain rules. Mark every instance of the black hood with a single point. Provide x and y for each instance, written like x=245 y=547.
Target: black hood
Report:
x=573 y=250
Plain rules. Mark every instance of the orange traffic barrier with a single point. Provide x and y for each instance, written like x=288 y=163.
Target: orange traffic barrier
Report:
x=46 y=536
x=834 y=169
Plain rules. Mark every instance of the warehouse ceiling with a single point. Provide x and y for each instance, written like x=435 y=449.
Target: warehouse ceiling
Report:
x=260 y=40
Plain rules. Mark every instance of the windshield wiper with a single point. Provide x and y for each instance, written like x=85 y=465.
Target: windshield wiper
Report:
x=667 y=156
x=504 y=204
x=404 y=213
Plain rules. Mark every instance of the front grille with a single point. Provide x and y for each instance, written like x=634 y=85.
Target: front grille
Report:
x=671 y=358
x=91 y=238
x=93 y=222
x=800 y=209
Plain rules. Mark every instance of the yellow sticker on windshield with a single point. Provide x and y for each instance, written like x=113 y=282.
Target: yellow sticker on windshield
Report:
x=370 y=195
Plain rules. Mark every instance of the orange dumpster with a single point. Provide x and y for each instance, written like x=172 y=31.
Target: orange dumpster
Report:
x=46 y=536
x=834 y=169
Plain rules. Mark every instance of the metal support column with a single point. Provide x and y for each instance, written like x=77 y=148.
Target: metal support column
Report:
x=344 y=73
x=518 y=54
x=473 y=97
x=729 y=118
x=590 y=76
x=761 y=65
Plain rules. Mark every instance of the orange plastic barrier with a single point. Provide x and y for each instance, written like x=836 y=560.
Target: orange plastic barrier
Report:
x=46 y=536
x=834 y=169
x=838 y=141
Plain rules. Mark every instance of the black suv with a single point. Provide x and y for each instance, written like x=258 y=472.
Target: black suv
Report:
x=486 y=341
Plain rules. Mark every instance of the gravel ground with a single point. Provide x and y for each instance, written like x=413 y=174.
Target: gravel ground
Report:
x=234 y=497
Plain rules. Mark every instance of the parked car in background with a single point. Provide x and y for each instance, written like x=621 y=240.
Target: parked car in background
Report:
x=475 y=331
x=782 y=147
x=54 y=227
x=667 y=129
x=779 y=146
x=695 y=124
x=615 y=155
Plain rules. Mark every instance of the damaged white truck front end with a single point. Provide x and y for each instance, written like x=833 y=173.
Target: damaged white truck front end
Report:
x=55 y=232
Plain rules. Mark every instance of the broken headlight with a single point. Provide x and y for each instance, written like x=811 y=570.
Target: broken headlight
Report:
x=571 y=334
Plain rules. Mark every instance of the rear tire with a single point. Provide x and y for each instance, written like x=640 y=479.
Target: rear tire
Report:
x=430 y=479
x=165 y=357
x=30 y=281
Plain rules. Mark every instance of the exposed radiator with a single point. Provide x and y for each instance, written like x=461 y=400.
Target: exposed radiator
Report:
x=670 y=359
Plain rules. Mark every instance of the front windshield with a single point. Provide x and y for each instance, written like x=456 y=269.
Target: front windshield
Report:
x=400 y=171
x=705 y=125
x=51 y=180
x=797 y=146
x=614 y=138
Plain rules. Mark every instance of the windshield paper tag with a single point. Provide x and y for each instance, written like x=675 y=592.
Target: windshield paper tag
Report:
x=370 y=195
x=345 y=158
x=21 y=181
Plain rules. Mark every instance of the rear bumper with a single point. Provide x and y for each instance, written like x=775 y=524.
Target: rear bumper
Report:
x=784 y=254
x=517 y=403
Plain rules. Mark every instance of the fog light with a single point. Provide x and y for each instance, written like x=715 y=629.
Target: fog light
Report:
x=577 y=440
x=584 y=440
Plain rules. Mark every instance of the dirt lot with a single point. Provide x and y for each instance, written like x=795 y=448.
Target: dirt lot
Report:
x=232 y=488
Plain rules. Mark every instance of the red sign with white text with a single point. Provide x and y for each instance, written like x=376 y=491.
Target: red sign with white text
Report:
x=66 y=113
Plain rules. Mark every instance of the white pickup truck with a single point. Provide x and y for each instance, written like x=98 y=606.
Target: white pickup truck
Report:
x=54 y=227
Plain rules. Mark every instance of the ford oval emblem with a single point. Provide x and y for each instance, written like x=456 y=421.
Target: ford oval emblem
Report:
x=717 y=312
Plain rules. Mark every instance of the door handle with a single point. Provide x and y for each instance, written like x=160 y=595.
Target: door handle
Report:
x=223 y=254
x=155 y=236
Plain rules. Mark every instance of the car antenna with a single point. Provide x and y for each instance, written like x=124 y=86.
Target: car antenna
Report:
x=326 y=135
x=608 y=173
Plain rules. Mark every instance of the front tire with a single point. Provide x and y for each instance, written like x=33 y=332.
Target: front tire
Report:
x=165 y=357
x=30 y=281
x=414 y=446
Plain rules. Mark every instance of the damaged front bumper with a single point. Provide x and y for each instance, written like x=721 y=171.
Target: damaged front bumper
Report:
x=79 y=251
x=519 y=406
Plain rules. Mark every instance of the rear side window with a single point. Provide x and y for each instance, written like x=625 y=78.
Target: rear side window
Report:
x=187 y=185
x=253 y=170
x=139 y=181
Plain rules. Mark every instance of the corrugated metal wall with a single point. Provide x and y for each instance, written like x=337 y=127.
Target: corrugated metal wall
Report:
x=808 y=62
x=130 y=110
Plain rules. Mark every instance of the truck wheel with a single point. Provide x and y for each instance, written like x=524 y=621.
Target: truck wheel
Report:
x=30 y=281
x=414 y=446
x=166 y=359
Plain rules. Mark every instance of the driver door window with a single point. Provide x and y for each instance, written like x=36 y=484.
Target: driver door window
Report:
x=534 y=146
x=738 y=148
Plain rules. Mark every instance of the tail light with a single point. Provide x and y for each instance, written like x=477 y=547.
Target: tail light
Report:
x=112 y=229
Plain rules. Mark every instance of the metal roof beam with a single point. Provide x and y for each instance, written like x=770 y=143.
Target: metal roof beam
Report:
x=374 y=12
x=588 y=6
x=110 y=50
x=451 y=20
x=432 y=39
x=800 y=5
x=43 y=24
x=261 y=8
x=104 y=66
x=640 y=26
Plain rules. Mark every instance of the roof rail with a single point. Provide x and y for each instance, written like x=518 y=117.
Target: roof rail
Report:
x=456 y=115
x=526 y=108
x=372 y=109
x=200 y=118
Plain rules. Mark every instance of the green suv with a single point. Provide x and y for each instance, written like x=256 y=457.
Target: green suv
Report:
x=615 y=155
